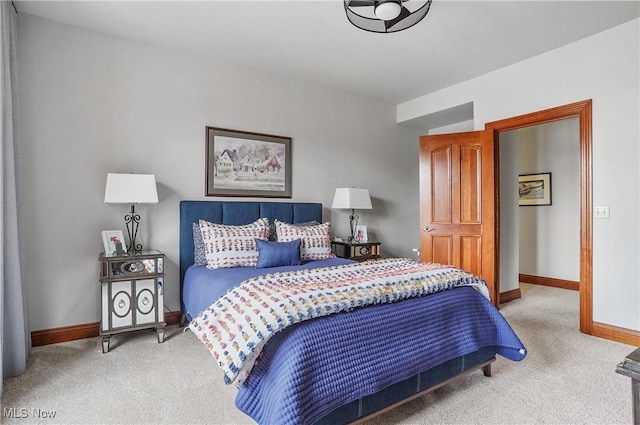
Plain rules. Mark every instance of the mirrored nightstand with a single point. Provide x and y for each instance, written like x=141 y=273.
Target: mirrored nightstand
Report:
x=132 y=294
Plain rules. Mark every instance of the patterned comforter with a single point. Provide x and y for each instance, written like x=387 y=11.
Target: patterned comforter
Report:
x=236 y=327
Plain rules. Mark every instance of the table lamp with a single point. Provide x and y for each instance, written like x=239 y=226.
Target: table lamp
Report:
x=352 y=198
x=131 y=189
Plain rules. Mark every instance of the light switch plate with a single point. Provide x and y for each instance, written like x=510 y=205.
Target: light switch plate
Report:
x=601 y=211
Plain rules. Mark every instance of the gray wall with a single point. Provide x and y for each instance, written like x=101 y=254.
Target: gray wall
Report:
x=509 y=217
x=550 y=235
x=540 y=240
x=93 y=104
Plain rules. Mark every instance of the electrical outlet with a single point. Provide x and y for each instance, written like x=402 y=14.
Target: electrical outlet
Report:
x=601 y=211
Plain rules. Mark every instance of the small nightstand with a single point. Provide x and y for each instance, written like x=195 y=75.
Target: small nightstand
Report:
x=630 y=367
x=132 y=294
x=359 y=251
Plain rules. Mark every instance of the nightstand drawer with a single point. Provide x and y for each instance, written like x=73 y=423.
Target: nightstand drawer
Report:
x=131 y=267
x=356 y=251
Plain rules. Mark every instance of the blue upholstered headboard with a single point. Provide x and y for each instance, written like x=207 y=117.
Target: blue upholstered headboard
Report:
x=237 y=213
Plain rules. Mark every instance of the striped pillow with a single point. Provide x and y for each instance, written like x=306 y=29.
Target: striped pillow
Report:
x=232 y=246
x=315 y=240
x=273 y=235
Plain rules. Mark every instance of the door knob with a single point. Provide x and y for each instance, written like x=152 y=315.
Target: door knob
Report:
x=428 y=229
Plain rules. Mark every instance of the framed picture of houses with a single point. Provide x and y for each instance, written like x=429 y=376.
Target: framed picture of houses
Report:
x=241 y=163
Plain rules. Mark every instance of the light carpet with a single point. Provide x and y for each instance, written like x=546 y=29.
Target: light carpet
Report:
x=567 y=378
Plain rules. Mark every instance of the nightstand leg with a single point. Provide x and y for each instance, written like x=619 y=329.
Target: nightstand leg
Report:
x=105 y=344
x=160 y=335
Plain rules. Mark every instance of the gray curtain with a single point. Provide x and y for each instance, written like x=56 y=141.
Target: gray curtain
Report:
x=14 y=332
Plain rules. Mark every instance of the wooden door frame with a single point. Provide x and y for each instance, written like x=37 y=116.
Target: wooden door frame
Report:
x=582 y=110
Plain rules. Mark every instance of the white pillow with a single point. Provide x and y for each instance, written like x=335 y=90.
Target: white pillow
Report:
x=232 y=246
x=315 y=239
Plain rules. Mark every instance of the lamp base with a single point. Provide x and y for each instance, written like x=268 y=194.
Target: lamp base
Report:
x=353 y=224
x=132 y=221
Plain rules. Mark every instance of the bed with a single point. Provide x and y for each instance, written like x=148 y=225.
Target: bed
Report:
x=344 y=367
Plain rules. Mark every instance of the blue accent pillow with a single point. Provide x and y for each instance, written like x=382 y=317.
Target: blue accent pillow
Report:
x=274 y=254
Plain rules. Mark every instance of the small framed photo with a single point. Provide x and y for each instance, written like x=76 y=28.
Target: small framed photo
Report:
x=113 y=241
x=361 y=233
x=534 y=189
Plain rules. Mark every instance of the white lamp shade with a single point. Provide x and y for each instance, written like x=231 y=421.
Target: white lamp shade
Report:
x=131 y=189
x=352 y=198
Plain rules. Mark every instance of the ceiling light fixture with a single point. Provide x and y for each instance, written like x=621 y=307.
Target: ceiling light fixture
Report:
x=387 y=10
x=386 y=15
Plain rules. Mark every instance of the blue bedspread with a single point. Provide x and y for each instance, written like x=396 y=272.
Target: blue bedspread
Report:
x=313 y=367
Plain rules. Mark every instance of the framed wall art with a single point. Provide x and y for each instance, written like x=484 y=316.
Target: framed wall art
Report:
x=534 y=189
x=241 y=163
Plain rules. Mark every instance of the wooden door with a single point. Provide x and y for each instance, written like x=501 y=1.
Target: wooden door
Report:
x=457 y=203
